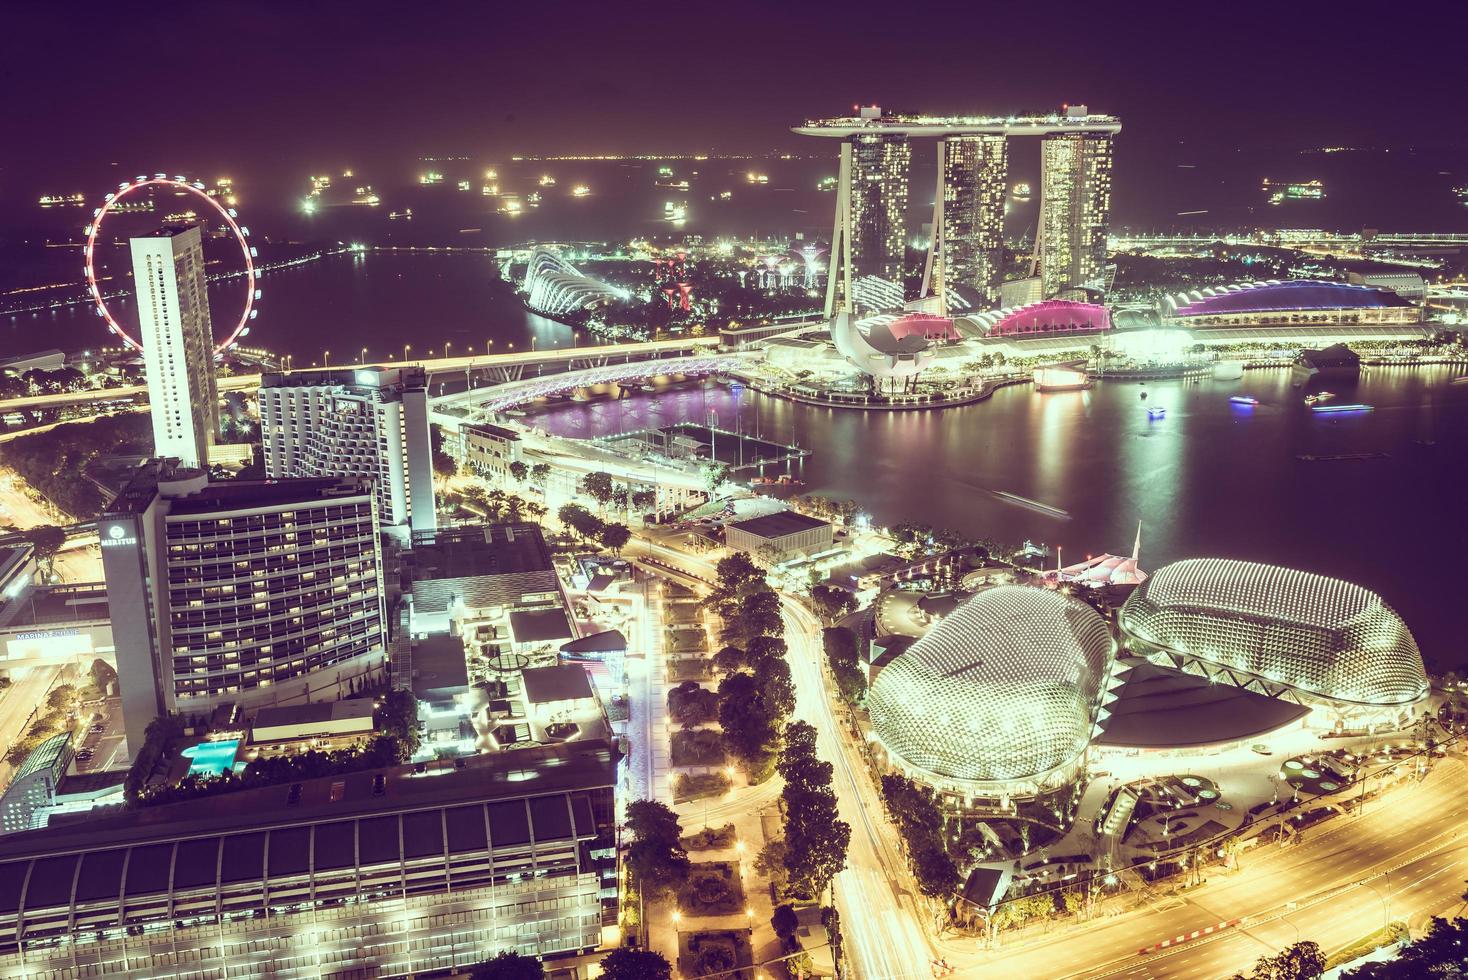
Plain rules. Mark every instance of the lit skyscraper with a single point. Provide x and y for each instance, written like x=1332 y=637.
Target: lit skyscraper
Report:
x=968 y=216
x=879 y=165
x=1075 y=210
x=178 y=343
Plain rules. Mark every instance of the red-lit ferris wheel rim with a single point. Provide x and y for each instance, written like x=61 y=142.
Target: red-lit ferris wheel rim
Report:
x=241 y=235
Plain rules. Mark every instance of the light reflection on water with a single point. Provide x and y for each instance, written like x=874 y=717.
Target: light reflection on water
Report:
x=1210 y=479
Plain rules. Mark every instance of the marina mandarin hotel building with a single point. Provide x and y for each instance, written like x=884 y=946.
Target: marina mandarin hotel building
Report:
x=256 y=593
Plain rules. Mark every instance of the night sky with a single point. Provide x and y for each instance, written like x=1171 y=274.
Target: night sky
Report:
x=252 y=88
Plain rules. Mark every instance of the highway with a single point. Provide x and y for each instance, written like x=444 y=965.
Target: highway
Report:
x=28 y=687
x=1403 y=857
x=433 y=365
x=881 y=922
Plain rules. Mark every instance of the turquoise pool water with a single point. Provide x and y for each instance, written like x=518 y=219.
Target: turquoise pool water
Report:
x=211 y=758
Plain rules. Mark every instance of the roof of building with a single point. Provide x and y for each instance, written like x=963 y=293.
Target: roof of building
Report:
x=529 y=772
x=779 y=524
x=540 y=625
x=1051 y=316
x=368 y=376
x=1157 y=707
x=1297 y=629
x=1277 y=296
x=490 y=429
x=563 y=682
x=247 y=494
x=480 y=549
x=315 y=713
x=439 y=666
x=1007 y=687
x=50 y=754
x=606 y=641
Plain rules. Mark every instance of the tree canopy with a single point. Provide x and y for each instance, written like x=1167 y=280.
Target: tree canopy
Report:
x=635 y=964
x=508 y=965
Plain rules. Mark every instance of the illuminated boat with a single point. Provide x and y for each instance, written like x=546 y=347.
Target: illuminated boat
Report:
x=1342 y=409
x=1153 y=414
x=1244 y=400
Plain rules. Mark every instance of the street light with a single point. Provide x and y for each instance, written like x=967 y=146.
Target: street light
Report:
x=364 y=355
x=406 y=349
x=325 y=359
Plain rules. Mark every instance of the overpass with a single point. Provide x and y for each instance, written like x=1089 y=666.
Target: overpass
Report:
x=505 y=367
x=478 y=402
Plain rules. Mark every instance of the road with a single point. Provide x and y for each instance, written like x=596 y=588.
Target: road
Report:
x=882 y=925
x=28 y=687
x=1402 y=858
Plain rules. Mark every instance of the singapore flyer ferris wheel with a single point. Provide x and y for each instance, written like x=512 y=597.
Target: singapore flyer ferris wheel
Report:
x=113 y=203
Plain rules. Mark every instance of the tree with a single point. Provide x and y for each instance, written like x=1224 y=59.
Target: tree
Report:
x=398 y=717
x=102 y=674
x=1302 y=961
x=1437 y=954
x=832 y=603
x=599 y=487
x=656 y=857
x=580 y=520
x=643 y=499
x=737 y=571
x=771 y=864
x=772 y=674
x=508 y=965
x=729 y=659
x=614 y=537
x=762 y=648
x=635 y=964
x=45 y=541
x=443 y=463
x=784 y=921
x=751 y=725
x=518 y=471
x=937 y=876
x=844 y=660
x=540 y=474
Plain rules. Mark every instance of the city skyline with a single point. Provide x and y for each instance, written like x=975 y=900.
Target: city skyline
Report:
x=667 y=493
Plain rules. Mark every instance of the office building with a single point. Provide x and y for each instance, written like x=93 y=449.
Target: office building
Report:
x=968 y=219
x=489 y=450
x=255 y=593
x=374 y=873
x=1075 y=213
x=370 y=422
x=178 y=343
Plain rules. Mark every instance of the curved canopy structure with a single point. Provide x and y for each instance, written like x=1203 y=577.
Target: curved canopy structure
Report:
x=998 y=700
x=555 y=287
x=1052 y=316
x=1279 y=630
x=1276 y=296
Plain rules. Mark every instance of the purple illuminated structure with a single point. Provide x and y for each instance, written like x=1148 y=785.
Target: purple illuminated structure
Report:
x=1053 y=316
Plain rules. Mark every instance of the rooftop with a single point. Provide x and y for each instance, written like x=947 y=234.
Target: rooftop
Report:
x=1277 y=296
x=48 y=754
x=144 y=486
x=310 y=714
x=526 y=772
x=1158 y=707
x=604 y=642
x=780 y=524
x=871 y=120
x=490 y=429
x=347 y=377
x=485 y=549
x=539 y=625
x=566 y=682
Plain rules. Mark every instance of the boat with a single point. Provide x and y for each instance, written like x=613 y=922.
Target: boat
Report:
x=1340 y=457
x=1342 y=409
x=1021 y=192
x=649 y=387
x=1155 y=413
x=1244 y=400
x=1463 y=380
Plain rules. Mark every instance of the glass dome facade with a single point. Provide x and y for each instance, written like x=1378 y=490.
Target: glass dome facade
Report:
x=998 y=700
x=1321 y=637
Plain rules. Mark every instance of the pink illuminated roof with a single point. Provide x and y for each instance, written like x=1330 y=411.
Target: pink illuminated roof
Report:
x=1053 y=316
x=924 y=325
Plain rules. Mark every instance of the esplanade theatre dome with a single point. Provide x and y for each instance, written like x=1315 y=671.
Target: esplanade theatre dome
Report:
x=998 y=700
x=1303 y=635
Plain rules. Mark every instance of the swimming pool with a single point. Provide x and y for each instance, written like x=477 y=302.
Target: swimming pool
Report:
x=211 y=758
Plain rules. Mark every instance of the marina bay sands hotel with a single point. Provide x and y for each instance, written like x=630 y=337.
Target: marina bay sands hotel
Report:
x=965 y=264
